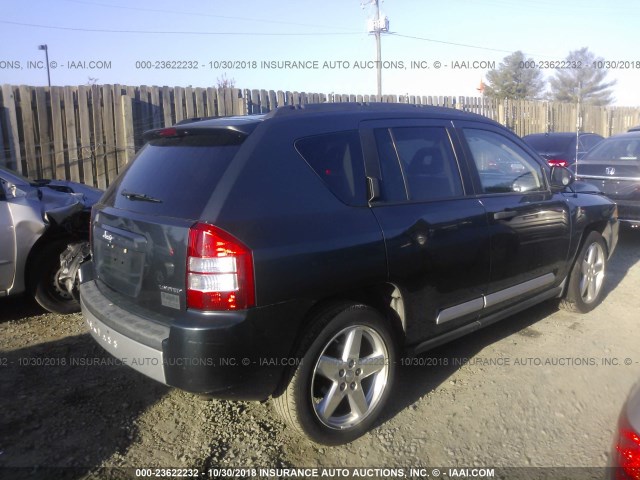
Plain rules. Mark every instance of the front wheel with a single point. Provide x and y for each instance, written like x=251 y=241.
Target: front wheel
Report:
x=46 y=287
x=585 y=289
x=345 y=376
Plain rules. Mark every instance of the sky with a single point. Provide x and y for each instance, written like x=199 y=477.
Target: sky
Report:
x=141 y=42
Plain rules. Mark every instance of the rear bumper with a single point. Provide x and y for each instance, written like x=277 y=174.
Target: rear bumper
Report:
x=146 y=360
x=234 y=355
x=622 y=191
x=628 y=211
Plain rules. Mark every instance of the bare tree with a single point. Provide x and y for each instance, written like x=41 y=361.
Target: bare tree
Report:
x=224 y=82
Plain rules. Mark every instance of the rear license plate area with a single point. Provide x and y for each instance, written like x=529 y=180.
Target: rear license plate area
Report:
x=119 y=257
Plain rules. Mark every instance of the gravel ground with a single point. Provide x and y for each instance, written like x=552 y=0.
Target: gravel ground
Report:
x=540 y=389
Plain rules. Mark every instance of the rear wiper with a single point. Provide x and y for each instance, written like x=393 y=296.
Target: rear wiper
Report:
x=140 y=196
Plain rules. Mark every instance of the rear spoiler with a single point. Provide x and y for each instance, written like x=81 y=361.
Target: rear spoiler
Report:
x=229 y=130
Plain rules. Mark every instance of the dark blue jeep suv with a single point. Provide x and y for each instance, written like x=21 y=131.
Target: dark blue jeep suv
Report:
x=295 y=255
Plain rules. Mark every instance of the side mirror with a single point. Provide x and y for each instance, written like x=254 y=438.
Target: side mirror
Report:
x=561 y=178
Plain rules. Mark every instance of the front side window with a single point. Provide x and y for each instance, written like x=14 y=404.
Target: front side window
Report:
x=503 y=166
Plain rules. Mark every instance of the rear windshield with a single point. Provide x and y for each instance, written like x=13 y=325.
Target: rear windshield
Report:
x=616 y=149
x=173 y=177
x=550 y=144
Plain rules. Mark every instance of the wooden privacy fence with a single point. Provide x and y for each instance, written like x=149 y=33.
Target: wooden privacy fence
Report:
x=88 y=133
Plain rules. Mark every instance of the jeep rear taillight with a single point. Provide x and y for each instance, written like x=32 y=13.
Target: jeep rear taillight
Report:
x=219 y=270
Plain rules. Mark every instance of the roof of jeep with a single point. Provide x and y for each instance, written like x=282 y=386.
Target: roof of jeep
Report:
x=247 y=123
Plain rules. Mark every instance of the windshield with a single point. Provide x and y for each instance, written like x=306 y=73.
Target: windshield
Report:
x=616 y=149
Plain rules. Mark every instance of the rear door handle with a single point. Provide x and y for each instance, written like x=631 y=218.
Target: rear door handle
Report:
x=374 y=188
x=504 y=214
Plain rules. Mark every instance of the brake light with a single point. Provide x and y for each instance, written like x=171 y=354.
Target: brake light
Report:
x=167 y=132
x=627 y=450
x=219 y=270
x=556 y=162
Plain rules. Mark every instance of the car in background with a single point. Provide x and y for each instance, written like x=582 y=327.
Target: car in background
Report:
x=613 y=166
x=39 y=221
x=559 y=148
x=625 y=455
x=634 y=129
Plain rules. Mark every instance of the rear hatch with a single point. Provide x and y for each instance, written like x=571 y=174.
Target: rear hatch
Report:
x=553 y=148
x=141 y=228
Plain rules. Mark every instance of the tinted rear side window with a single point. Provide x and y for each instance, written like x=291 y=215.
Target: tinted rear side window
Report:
x=428 y=163
x=177 y=175
x=393 y=185
x=337 y=159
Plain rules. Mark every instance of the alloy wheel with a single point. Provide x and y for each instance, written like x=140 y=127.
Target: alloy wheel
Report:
x=592 y=273
x=350 y=377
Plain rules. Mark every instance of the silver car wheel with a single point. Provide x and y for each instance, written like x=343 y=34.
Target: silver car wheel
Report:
x=349 y=377
x=592 y=273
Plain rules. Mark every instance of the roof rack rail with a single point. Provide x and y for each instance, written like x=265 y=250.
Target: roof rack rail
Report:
x=345 y=107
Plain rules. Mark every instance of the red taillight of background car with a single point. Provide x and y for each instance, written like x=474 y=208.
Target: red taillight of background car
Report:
x=627 y=451
x=219 y=270
x=556 y=162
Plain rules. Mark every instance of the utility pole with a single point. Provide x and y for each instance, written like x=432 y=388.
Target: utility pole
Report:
x=46 y=56
x=378 y=49
x=578 y=124
x=377 y=27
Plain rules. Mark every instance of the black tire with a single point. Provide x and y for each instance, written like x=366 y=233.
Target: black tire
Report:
x=44 y=286
x=586 y=281
x=325 y=398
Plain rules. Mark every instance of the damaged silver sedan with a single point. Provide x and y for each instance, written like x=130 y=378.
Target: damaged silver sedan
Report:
x=44 y=233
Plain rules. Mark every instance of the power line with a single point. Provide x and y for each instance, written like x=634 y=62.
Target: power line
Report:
x=449 y=43
x=541 y=5
x=534 y=55
x=161 y=32
x=201 y=14
x=266 y=34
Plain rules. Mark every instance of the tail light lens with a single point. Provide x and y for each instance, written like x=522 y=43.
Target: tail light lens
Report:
x=627 y=450
x=554 y=162
x=219 y=270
